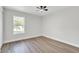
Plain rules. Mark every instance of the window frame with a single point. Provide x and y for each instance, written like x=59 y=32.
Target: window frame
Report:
x=14 y=25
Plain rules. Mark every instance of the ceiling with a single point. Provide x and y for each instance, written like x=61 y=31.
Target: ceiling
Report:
x=34 y=10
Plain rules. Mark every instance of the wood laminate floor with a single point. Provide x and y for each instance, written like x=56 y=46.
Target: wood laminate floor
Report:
x=38 y=45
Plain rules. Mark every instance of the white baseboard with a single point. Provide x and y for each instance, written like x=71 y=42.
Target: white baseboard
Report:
x=64 y=41
x=7 y=41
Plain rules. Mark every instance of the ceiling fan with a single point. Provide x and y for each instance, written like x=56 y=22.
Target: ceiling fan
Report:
x=42 y=8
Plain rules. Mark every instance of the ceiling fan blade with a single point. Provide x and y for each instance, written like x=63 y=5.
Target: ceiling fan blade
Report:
x=45 y=6
x=46 y=9
x=38 y=7
x=41 y=7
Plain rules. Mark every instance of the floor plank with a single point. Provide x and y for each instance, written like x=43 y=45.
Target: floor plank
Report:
x=38 y=45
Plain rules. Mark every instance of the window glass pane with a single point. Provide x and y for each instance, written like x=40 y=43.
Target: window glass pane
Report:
x=18 y=24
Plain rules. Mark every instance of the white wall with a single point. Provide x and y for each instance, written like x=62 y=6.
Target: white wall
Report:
x=1 y=26
x=63 y=25
x=32 y=26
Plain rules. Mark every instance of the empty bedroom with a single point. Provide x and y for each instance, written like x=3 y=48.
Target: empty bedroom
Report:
x=39 y=29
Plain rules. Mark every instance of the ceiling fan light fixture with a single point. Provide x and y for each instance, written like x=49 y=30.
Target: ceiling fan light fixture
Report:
x=42 y=8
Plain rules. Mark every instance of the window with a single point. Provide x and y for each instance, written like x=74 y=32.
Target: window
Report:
x=18 y=25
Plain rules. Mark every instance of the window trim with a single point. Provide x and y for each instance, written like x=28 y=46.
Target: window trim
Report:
x=23 y=25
